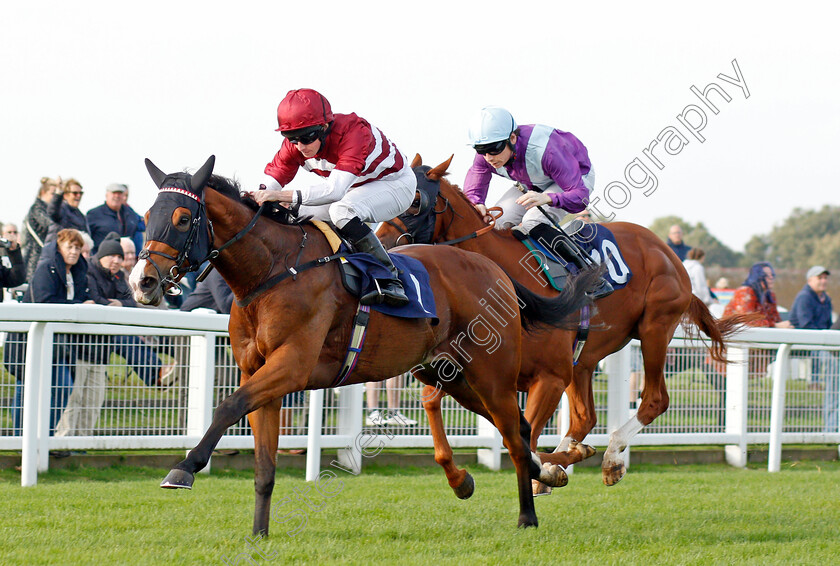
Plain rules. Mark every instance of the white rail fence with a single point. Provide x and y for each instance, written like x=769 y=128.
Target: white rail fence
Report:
x=88 y=373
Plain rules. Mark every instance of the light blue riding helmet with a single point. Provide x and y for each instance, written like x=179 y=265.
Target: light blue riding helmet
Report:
x=491 y=124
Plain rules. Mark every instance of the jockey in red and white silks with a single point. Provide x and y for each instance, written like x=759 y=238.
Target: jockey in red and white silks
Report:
x=366 y=178
x=365 y=174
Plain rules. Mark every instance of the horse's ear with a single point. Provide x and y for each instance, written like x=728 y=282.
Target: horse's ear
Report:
x=417 y=161
x=157 y=175
x=438 y=172
x=203 y=175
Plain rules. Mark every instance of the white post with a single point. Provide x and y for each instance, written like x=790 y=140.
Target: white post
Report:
x=350 y=423
x=31 y=396
x=313 y=441
x=777 y=408
x=737 y=391
x=491 y=456
x=200 y=389
x=44 y=397
x=617 y=368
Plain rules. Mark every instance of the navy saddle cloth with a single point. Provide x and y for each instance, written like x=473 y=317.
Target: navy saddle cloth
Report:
x=360 y=271
x=599 y=243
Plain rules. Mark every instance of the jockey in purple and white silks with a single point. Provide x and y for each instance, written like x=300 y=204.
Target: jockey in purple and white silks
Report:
x=551 y=164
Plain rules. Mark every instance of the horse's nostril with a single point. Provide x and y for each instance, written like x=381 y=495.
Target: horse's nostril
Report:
x=148 y=283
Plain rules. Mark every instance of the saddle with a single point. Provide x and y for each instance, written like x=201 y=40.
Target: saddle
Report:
x=358 y=272
x=553 y=268
x=596 y=240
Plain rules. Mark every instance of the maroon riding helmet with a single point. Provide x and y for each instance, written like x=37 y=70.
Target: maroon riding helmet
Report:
x=302 y=109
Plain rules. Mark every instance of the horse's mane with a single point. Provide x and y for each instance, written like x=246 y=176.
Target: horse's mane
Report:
x=232 y=190
x=460 y=195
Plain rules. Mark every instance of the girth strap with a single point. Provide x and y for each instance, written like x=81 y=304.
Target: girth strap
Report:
x=582 y=334
x=357 y=341
x=291 y=272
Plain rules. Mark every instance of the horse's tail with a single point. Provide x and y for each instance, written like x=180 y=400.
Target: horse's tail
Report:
x=538 y=312
x=697 y=316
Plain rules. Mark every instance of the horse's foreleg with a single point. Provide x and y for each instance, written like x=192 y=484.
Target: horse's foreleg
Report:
x=228 y=413
x=459 y=480
x=582 y=417
x=265 y=423
x=543 y=397
x=271 y=382
x=515 y=435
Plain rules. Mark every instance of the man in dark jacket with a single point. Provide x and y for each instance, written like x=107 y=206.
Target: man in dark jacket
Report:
x=106 y=279
x=675 y=242
x=12 y=267
x=812 y=309
x=115 y=216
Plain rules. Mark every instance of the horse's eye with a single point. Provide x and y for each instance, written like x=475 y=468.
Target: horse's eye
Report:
x=182 y=222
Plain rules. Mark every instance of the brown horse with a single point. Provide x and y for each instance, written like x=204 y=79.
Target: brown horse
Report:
x=657 y=298
x=291 y=326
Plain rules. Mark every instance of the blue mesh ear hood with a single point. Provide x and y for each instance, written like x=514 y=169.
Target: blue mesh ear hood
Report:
x=421 y=225
x=185 y=191
x=176 y=191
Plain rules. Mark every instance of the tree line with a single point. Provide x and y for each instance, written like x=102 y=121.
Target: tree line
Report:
x=805 y=238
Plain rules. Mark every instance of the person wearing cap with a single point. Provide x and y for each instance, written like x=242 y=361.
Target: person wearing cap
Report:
x=812 y=306
x=551 y=164
x=365 y=177
x=115 y=216
x=812 y=310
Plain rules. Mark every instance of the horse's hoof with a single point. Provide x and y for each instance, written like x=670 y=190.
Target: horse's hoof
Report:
x=584 y=450
x=526 y=521
x=177 y=479
x=466 y=489
x=539 y=488
x=553 y=475
x=612 y=474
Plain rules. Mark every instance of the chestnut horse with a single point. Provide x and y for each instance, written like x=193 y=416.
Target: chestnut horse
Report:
x=657 y=298
x=290 y=327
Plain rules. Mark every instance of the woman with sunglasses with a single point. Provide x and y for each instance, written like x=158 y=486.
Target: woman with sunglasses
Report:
x=64 y=211
x=365 y=177
x=551 y=164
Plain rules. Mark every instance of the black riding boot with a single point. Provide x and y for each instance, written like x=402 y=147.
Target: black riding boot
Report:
x=570 y=251
x=363 y=240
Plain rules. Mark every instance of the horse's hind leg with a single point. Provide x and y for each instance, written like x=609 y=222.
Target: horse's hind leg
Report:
x=460 y=481
x=654 y=338
x=265 y=423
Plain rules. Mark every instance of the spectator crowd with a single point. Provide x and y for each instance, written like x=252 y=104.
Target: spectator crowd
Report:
x=62 y=255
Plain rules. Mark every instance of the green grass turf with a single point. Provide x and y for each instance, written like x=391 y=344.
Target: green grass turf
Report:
x=657 y=515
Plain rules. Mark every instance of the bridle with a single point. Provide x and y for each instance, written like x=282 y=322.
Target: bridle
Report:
x=170 y=281
x=409 y=228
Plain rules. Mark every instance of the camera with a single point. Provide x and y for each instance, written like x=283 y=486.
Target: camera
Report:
x=4 y=243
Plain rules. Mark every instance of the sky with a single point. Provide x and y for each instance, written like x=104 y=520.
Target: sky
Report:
x=90 y=89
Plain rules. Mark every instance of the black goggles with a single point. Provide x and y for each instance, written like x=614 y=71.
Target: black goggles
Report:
x=494 y=148
x=305 y=137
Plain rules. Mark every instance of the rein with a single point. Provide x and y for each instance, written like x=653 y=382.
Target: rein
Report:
x=477 y=233
x=405 y=232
